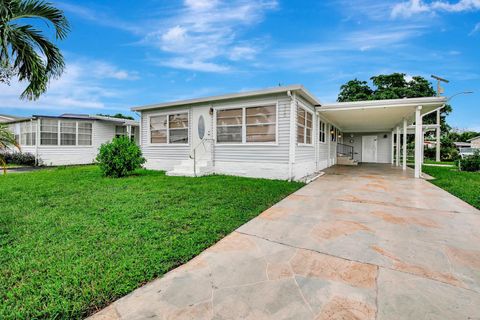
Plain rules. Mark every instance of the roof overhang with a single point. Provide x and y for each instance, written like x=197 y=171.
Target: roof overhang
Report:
x=298 y=89
x=377 y=115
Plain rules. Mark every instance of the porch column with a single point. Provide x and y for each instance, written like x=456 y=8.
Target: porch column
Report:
x=397 y=160
x=437 y=145
x=404 y=164
x=392 y=147
x=418 y=142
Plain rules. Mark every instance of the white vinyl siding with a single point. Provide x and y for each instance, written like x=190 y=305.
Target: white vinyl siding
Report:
x=258 y=152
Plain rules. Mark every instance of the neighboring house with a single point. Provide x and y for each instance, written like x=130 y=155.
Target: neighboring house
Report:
x=281 y=133
x=475 y=142
x=8 y=118
x=69 y=138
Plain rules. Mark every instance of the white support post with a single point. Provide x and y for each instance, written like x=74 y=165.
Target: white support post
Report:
x=293 y=140
x=418 y=142
x=397 y=160
x=392 y=147
x=404 y=164
x=437 y=145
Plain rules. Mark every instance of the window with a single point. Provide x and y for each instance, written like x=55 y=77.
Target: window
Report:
x=84 y=134
x=28 y=133
x=120 y=131
x=304 y=126
x=133 y=132
x=178 y=128
x=333 y=133
x=230 y=125
x=247 y=125
x=171 y=129
x=158 y=129
x=68 y=133
x=49 y=132
x=261 y=124
x=322 y=127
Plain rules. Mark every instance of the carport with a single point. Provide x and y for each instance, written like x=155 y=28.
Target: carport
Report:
x=396 y=116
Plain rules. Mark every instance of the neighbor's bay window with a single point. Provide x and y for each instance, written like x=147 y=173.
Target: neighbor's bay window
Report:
x=54 y=132
x=171 y=128
x=247 y=125
x=49 y=132
x=28 y=133
x=304 y=126
x=85 y=134
x=68 y=133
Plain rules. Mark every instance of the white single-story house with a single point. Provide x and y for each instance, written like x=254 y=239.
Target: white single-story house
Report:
x=279 y=133
x=69 y=139
x=4 y=118
x=475 y=142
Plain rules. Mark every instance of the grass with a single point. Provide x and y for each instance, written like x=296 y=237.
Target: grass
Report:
x=72 y=241
x=428 y=161
x=464 y=185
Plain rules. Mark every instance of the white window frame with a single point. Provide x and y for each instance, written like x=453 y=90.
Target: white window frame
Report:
x=325 y=131
x=311 y=144
x=244 y=106
x=59 y=134
x=167 y=114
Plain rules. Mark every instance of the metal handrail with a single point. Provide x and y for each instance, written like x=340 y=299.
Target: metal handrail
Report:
x=201 y=143
x=345 y=149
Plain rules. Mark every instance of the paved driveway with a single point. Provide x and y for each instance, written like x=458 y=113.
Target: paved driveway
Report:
x=365 y=242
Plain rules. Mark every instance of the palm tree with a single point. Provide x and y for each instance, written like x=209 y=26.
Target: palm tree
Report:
x=7 y=139
x=24 y=51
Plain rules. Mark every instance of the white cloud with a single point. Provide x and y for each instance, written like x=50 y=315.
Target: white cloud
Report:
x=204 y=35
x=75 y=90
x=409 y=8
x=414 y=7
x=475 y=29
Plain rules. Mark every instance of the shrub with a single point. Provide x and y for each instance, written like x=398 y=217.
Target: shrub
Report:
x=119 y=157
x=20 y=158
x=471 y=163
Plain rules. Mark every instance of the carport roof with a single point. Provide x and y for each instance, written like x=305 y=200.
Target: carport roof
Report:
x=377 y=115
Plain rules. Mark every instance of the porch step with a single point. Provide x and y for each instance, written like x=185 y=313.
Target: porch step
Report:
x=187 y=168
x=346 y=161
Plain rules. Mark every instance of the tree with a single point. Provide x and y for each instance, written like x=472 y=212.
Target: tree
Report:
x=25 y=52
x=393 y=86
x=117 y=115
x=7 y=139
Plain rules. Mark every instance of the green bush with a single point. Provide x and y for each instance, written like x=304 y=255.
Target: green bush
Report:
x=20 y=158
x=119 y=157
x=471 y=163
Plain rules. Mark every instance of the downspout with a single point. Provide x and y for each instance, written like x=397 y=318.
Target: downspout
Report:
x=292 y=144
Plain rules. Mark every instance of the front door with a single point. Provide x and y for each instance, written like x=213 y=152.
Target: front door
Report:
x=369 y=148
x=201 y=133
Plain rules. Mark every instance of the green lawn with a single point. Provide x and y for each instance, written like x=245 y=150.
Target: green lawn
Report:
x=465 y=185
x=72 y=241
x=428 y=161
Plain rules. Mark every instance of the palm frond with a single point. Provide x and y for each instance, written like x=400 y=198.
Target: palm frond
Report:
x=43 y=10
x=29 y=65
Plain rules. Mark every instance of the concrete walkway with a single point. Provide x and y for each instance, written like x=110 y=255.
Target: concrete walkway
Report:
x=367 y=242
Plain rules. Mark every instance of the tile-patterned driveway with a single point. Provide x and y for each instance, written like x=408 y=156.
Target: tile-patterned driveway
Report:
x=367 y=242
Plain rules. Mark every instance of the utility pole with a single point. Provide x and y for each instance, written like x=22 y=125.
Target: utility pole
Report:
x=440 y=90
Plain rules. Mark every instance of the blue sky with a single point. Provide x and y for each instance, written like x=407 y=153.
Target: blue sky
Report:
x=121 y=55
